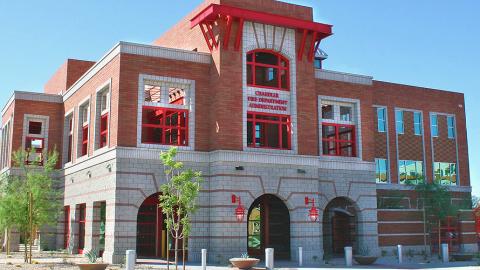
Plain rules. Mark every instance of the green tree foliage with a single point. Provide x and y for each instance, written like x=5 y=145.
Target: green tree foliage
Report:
x=178 y=200
x=436 y=204
x=29 y=200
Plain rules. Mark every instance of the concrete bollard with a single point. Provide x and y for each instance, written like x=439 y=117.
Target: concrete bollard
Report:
x=300 y=256
x=445 y=257
x=399 y=253
x=204 y=259
x=269 y=258
x=348 y=256
x=130 y=260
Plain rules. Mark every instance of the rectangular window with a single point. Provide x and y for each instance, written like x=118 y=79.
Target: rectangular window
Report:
x=34 y=148
x=103 y=130
x=84 y=121
x=381 y=170
x=434 y=125
x=327 y=111
x=101 y=118
x=451 y=127
x=66 y=226
x=81 y=226
x=381 y=119
x=268 y=131
x=410 y=172
x=338 y=140
x=346 y=113
x=399 y=122
x=445 y=173
x=164 y=126
x=265 y=69
x=34 y=127
x=5 y=147
x=176 y=96
x=152 y=93
x=417 y=123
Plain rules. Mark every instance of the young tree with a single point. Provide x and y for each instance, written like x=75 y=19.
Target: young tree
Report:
x=178 y=200
x=29 y=196
x=436 y=205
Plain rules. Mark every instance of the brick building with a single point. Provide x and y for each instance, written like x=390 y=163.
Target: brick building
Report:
x=238 y=87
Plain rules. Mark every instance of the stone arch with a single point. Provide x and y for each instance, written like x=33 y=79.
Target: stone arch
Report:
x=340 y=225
x=268 y=226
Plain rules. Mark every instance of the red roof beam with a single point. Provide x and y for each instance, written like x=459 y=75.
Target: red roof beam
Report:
x=212 y=11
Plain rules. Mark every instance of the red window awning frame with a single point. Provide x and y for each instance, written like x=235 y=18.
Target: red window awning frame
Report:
x=207 y=17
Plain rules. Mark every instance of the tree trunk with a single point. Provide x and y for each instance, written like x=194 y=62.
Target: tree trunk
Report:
x=183 y=252
x=30 y=214
x=168 y=249
x=176 y=251
x=424 y=230
x=439 y=239
x=8 y=241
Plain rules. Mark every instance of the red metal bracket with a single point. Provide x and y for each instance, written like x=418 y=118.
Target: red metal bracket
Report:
x=311 y=52
x=239 y=34
x=226 y=38
x=302 y=45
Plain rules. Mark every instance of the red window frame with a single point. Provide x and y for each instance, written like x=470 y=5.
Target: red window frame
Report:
x=253 y=64
x=164 y=126
x=84 y=140
x=82 y=208
x=338 y=141
x=104 y=130
x=251 y=117
x=66 y=226
x=28 y=141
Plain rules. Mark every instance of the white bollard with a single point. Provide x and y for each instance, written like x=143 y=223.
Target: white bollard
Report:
x=269 y=258
x=300 y=256
x=445 y=258
x=399 y=253
x=348 y=256
x=204 y=259
x=130 y=260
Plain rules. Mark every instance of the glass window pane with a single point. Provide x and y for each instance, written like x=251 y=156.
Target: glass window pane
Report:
x=328 y=132
x=327 y=111
x=399 y=121
x=266 y=58
x=346 y=149
x=329 y=148
x=381 y=126
x=451 y=127
x=453 y=171
x=417 y=123
x=35 y=127
x=402 y=172
x=434 y=125
x=152 y=93
x=419 y=171
x=266 y=76
x=345 y=133
x=346 y=113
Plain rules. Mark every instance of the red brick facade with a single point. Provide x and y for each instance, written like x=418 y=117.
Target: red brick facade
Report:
x=219 y=109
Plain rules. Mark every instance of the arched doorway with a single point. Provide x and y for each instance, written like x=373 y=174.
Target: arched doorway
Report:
x=268 y=227
x=151 y=234
x=339 y=226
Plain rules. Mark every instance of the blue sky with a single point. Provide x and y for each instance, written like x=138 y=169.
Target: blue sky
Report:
x=431 y=43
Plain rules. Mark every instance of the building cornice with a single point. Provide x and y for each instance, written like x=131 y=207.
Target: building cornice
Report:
x=32 y=96
x=331 y=75
x=137 y=49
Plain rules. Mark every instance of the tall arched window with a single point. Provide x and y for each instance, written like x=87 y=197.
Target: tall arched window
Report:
x=267 y=69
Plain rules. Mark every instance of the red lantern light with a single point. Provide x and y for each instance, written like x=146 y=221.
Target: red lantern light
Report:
x=240 y=210
x=313 y=212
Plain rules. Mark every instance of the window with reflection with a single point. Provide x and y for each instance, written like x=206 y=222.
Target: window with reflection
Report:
x=164 y=126
x=338 y=140
x=254 y=228
x=267 y=69
x=445 y=173
x=268 y=131
x=410 y=172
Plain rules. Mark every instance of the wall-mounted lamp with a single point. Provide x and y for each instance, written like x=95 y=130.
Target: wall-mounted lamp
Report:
x=109 y=167
x=313 y=212
x=240 y=210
